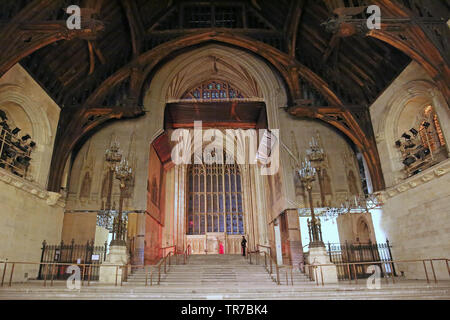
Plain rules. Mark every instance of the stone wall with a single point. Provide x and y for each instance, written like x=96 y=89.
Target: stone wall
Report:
x=28 y=213
x=80 y=226
x=342 y=172
x=416 y=214
x=416 y=219
x=350 y=231
x=28 y=105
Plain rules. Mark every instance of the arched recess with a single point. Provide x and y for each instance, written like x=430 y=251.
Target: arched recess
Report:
x=41 y=129
x=363 y=231
x=254 y=217
x=177 y=76
x=414 y=95
x=193 y=67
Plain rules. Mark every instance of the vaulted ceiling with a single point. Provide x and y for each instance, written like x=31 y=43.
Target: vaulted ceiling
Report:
x=358 y=68
x=99 y=73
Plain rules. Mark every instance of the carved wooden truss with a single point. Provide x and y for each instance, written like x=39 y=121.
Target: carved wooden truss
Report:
x=424 y=38
x=113 y=89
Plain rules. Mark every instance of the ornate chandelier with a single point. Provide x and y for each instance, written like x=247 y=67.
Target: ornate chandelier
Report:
x=357 y=205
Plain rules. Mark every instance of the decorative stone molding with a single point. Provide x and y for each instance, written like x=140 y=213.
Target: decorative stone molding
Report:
x=51 y=198
x=379 y=137
x=428 y=175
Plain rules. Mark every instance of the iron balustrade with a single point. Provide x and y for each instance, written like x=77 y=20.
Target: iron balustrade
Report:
x=312 y=272
x=358 y=252
x=80 y=254
x=315 y=272
x=50 y=271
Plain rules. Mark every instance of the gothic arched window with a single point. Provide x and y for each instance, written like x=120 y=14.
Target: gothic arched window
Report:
x=430 y=130
x=213 y=90
x=215 y=199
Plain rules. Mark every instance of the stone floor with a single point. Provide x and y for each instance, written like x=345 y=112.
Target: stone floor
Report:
x=227 y=277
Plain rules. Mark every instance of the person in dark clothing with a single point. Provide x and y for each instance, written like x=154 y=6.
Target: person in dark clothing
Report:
x=243 y=244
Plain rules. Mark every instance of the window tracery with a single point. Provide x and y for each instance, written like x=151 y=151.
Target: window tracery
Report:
x=213 y=90
x=215 y=199
x=430 y=130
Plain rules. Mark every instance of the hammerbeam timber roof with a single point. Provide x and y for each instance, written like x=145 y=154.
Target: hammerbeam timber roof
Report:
x=98 y=74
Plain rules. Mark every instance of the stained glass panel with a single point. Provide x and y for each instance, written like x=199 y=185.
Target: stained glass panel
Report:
x=213 y=90
x=214 y=199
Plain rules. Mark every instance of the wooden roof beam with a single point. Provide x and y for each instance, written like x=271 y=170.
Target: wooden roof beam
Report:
x=412 y=35
x=292 y=23
x=32 y=36
x=135 y=24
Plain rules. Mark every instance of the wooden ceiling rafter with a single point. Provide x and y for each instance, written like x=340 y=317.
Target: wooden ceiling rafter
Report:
x=413 y=35
x=28 y=32
x=292 y=24
x=95 y=93
x=353 y=62
x=280 y=60
x=137 y=29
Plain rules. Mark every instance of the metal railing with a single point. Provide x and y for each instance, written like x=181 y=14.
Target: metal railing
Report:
x=75 y=254
x=387 y=268
x=358 y=252
x=269 y=263
x=164 y=264
x=51 y=269
x=166 y=248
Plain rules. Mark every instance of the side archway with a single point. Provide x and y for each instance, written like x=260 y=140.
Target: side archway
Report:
x=402 y=110
x=16 y=102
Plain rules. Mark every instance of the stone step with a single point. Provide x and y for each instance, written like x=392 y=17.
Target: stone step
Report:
x=278 y=292
x=220 y=271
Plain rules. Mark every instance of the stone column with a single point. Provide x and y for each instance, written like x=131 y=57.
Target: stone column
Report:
x=292 y=236
x=138 y=258
x=111 y=269
x=327 y=272
x=179 y=208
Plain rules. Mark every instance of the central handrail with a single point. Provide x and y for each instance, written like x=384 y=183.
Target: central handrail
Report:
x=263 y=246
x=168 y=247
x=186 y=253
x=165 y=261
x=269 y=261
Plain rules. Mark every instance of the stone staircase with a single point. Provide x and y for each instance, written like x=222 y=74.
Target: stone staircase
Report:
x=226 y=271
x=226 y=277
